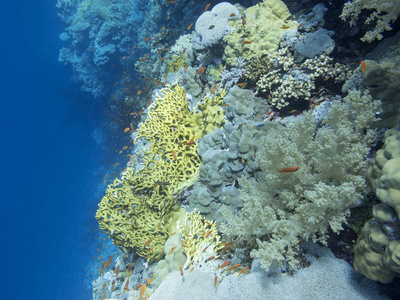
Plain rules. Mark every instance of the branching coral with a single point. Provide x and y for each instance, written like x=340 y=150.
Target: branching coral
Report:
x=198 y=234
x=384 y=13
x=280 y=209
x=137 y=211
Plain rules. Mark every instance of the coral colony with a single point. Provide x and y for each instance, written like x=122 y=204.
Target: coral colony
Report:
x=253 y=143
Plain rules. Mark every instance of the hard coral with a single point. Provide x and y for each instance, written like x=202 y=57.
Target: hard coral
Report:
x=138 y=210
x=198 y=234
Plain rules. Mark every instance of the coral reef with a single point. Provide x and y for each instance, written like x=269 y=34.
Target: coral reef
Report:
x=281 y=209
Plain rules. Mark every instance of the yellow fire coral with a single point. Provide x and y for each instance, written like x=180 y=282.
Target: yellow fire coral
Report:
x=198 y=234
x=138 y=211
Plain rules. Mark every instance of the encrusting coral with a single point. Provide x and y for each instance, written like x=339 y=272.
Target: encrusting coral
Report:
x=259 y=31
x=281 y=209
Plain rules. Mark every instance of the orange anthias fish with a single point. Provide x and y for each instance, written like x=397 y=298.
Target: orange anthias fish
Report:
x=200 y=70
x=363 y=66
x=126 y=285
x=207 y=6
x=246 y=42
x=180 y=268
x=185 y=69
x=190 y=26
x=242 y=271
x=173 y=154
x=224 y=264
x=170 y=2
x=148 y=242
x=288 y=170
x=285 y=27
x=215 y=280
x=142 y=290
x=234 y=267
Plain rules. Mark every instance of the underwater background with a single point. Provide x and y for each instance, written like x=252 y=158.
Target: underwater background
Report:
x=200 y=149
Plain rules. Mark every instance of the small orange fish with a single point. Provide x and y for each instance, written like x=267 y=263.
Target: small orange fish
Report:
x=148 y=242
x=148 y=281
x=126 y=129
x=242 y=271
x=190 y=26
x=200 y=70
x=173 y=154
x=285 y=27
x=163 y=28
x=290 y=169
x=240 y=84
x=213 y=88
x=133 y=52
x=208 y=233
x=164 y=58
x=224 y=264
x=116 y=164
x=246 y=42
x=180 y=267
x=126 y=285
x=137 y=286
x=234 y=267
x=363 y=66
x=117 y=271
x=172 y=250
x=138 y=92
x=210 y=258
x=232 y=15
x=170 y=2
x=146 y=39
x=143 y=59
x=207 y=6
x=191 y=142
x=185 y=69
x=142 y=290
x=215 y=280
x=140 y=112
x=184 y=51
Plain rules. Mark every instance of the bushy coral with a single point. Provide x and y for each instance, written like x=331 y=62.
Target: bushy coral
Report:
x=287 y=81
x=280 y=209
x=383 y=13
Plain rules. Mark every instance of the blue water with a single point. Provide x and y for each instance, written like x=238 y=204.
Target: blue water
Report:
x=48 y=185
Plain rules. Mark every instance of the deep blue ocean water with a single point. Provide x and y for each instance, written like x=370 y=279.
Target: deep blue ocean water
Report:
x=48 y=185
